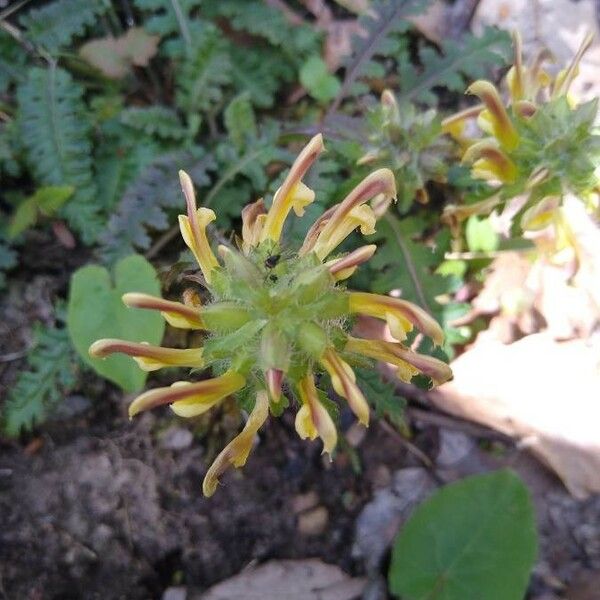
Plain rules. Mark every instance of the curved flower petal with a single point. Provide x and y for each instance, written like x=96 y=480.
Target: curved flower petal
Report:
x=193 y=228
x=175 y=314
x=149 y=358
x=502 y=127
x=342 y=268
x=237 y=451
x=312 y=419
x=456 y=125
x=515 y=78
x=189 y=399
x=489 y=162
x=253 y=220
x=360 y=217
x=400 y=315
x=407 y=363
x=292 y=193
x=353 y=209
x=344 y=383
x=565 y=78
x=541 y=214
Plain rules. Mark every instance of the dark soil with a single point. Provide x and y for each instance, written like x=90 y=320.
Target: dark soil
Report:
x=102 y=510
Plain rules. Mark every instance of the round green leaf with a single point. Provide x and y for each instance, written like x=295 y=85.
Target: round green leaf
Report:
x=474 y=539
x=96 y=311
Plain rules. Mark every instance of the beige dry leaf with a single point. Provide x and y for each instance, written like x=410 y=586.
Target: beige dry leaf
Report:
x=290 y=579
x=114 y=57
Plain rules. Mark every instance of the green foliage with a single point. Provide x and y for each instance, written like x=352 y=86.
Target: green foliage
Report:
x=381 y=395
x=457 y=64
x=96 y=310
x=45 y=201
x=159 y=121
x=170 y=19
x=12 y=59
x=381 y=23
x=319 y=83
x=49 y=375
x=472 y=539
x=56 y=24
x=57 y=138
x=240 y=121
x=142 y=206
x=204 y=74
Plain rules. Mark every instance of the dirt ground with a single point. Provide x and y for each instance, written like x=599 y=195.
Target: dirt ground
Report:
x=97 y=507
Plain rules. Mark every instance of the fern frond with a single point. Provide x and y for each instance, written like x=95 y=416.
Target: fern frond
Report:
x=57 y=23
x=118 y=162
x=142 y=208
x=452 y=68
x=168 y=18
x=12 y=60
x=202 y=77
x=159 y=121
x=240 y=120
x=262 y=20
x=261 y=73
x=56 y=136
x=50 y=373
x=381 y=395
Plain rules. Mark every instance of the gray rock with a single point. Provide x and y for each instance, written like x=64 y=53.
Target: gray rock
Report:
x=380 y=520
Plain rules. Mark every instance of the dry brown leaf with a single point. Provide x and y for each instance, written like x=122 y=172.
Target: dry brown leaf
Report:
x=115 y=56
x=540 y=390
x=290 y=579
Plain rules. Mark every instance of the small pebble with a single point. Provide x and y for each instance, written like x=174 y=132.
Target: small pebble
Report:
x=313 y=522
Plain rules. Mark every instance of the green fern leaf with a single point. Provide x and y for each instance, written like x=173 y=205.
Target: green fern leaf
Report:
x=12 y=60
x=240 y=121
x=158 y=121
x=171 y=19
x=40 y=388
x=56 y=24
x=142 y=208
x=56 y=136
x=457 y=64
x=381 y=395
x=202 y=77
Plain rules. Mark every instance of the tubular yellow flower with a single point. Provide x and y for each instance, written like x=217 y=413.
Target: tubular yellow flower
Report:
x=292 y=193
x=489 y=162
x=352 y=213
x=175 y=314
x=193 y=228
x=540 y=215
x=453 y=215
x=343 y=381
x=515 y=77
x=407 y=363
x=149 y=358
x=565 y=78
x=494 y=119
x=237 y=451
x=312 y=419
x=400 y=315
x=342 y=268
x=253 y=220
x=189 y=399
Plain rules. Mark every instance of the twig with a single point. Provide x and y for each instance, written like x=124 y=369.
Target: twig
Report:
x=449 y=422
x=417 y=452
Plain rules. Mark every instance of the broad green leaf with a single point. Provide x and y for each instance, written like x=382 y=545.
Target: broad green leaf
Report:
x=474 y=539
x=96 y=311
x=319 y=83
x=46 y=200
x=480 y=235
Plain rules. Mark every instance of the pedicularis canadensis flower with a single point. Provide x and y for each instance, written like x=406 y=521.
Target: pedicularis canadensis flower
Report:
x=539 y=144
x=276 y=319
